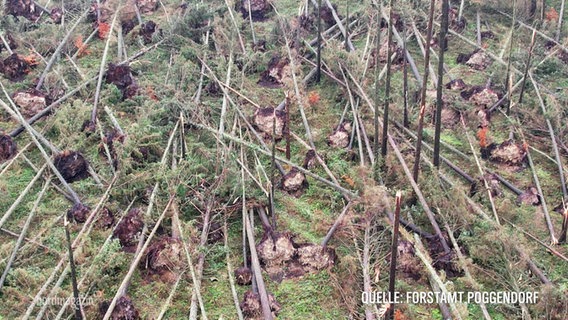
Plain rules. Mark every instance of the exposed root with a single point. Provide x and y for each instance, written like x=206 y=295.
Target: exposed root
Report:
x=72 y=166
x=340 y=136
x=294 y=182
x=8 y=148
x=79 y=212
x=164 y=259
x=123 y=310
x=252 y=309
x=127 y=231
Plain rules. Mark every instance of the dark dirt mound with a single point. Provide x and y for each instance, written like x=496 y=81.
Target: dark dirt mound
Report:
x=310 y=161
x=481 y=97
x=259 y=9
x=128 y=229
x=252 y=308
x=22 y=8
x=442 y=260
x=124 y=309
x=72 y=165
x=147 y=30
x=121 y=77
x=8 y=148
x=105 y=218
x=243 y=276
x=79 y=212
x=16 y=67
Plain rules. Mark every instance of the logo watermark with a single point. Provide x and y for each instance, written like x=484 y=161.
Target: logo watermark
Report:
x=60 y=301
x=430 y=297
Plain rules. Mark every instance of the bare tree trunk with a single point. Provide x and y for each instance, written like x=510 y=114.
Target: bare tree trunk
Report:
x=377 y=91
x=405 y=80
x=394 y=251
x=439 y=101
x=318 y=72
x=560 y=17
x=416 y=167
x=384 y=143
x=527 y=67
x=508 y=82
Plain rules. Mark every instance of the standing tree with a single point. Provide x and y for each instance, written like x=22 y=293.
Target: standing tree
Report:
x=318 y=73
x=416 y=167
x=439 y=101
x=387 y=84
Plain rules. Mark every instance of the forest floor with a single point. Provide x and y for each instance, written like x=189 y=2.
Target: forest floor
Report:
x=171 y=124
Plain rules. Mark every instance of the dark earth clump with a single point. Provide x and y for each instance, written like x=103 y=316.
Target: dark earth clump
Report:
x=79 y=212
x=8 y=148
x=243 y=276
x=147 y=30
x=105 y=218
x=259 y=9
x=128 y=229
x=72 y=166
x=16 y=67
x=123 y=310
x=121 y=77
x=22 y=8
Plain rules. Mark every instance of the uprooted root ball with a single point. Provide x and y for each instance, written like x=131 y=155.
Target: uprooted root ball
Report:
x=16 y=67
x=30 y=101
x=314 y=257
x=259 y=9
x=8 y=148
x=121 y=77
x=123 y=310
x=278 y=69
x=507 y=153
x=23 y=8
x=340 y=136
x=243 y=276
x=164 y=259
x=72 y=166
x=269 y=121
x=105 y=218
x=147 y=30
x=79 y=212
x=294 y=182
x=128 y=229
x=252 y=308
